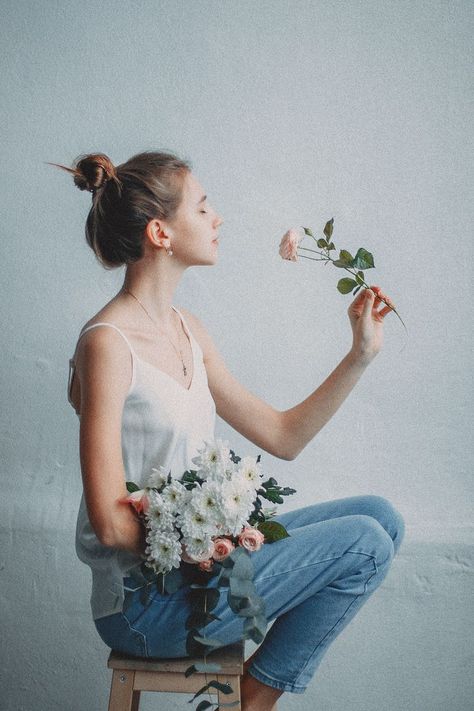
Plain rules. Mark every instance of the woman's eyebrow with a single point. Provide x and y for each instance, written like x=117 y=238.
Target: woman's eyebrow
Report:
x=202 y=199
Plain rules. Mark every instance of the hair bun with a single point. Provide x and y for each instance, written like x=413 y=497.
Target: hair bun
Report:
x=93 y=171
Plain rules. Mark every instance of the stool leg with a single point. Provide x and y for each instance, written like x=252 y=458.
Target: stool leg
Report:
x=234 y=682
x=135 y=700
x=121 y=690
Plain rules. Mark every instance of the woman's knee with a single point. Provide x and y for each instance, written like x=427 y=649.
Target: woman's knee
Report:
x=372 y=539
x=388 y=516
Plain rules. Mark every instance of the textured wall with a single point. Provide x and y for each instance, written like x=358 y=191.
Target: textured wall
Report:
x=292 y=112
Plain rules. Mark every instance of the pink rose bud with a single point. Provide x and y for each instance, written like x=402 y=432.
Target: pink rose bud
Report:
x=205 y=555
x=206 y=564
x=289 y=245
x=138 y=499
x=251 y=539
x=223 y=547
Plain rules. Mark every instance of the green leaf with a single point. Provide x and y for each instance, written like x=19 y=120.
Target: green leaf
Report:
x=132 y=487
x=363 y=259
x=346 y=285
x=307 y=231
x=328 y=227
x=360 y=278
x=322 y=244
x=287 y=491
x=355 y=292
x=273 y=531
x=203 y=668
x=346 y=257
x=331 y=246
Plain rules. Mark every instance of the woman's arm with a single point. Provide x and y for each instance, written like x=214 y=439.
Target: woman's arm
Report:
x=285 y=433
x=103 y=365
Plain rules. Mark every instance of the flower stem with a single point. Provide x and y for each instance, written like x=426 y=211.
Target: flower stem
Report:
x=326 y=258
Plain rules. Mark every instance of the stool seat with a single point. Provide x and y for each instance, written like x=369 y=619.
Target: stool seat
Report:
x=131 y=675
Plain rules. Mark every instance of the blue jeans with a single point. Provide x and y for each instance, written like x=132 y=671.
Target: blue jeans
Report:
x=313 y=584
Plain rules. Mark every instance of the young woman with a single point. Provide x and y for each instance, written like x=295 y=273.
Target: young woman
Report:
x=147 y=380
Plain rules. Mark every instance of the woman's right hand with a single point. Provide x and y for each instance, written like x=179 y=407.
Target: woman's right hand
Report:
x=367 y=323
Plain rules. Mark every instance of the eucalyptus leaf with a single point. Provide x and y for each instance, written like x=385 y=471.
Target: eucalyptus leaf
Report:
x=224 y=688
x=243 y=568
x=208 y=641
x=322 y=244
x=360 y=278
x=241 y=587
x=307 y=231
x=200 y=619
x=203 y=668
x=204 y=705
x=132 y=487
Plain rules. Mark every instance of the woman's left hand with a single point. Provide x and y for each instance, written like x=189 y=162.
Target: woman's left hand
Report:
x=367 y=323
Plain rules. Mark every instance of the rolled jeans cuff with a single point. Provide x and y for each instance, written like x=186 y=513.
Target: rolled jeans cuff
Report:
x=275 y=683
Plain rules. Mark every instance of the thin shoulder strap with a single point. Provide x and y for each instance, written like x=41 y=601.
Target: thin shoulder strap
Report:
x=112 y=325
x=72 y=365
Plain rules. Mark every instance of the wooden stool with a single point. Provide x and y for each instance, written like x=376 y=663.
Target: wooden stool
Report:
x=132 y=675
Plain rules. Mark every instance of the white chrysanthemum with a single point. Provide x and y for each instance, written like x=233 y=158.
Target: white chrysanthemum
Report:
x=213 y=459
x=249 y=471
x=196 y=523
x=198 y=547
x=175 y=496
x=157 y=478
x=163 y=550
x=159 y=514
x=236 y=505
x=206 y=499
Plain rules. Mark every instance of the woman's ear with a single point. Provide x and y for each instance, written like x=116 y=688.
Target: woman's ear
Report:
x=155 y=233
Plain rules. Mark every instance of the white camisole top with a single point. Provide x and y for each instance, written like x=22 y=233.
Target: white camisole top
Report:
x=163 y=423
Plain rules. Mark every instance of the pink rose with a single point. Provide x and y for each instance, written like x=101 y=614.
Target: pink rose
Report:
x=205 y=555
x=138 y=499
x=251 y=539
x=289 y=245
x=206 y=564
x=223 y=547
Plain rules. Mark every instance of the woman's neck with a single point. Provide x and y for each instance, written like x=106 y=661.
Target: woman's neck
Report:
x=154 y=285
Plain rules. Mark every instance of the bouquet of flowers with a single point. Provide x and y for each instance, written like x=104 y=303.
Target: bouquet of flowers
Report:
x=207 y=524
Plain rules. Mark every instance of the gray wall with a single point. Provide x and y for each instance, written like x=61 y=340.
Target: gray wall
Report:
x=292 y=112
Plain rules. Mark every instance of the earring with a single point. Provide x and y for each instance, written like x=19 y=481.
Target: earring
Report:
x=169 y=251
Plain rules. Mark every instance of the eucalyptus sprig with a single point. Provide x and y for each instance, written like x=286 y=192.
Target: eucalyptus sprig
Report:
x=354 y=265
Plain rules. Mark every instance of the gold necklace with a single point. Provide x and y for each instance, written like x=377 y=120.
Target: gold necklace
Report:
x=178 y=350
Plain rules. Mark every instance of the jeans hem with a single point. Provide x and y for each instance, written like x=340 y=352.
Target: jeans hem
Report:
x=275 y=683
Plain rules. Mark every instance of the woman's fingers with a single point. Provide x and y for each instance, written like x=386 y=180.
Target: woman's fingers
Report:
x=378 y=300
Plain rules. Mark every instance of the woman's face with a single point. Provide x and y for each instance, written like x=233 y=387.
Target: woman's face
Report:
x=193 y=231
